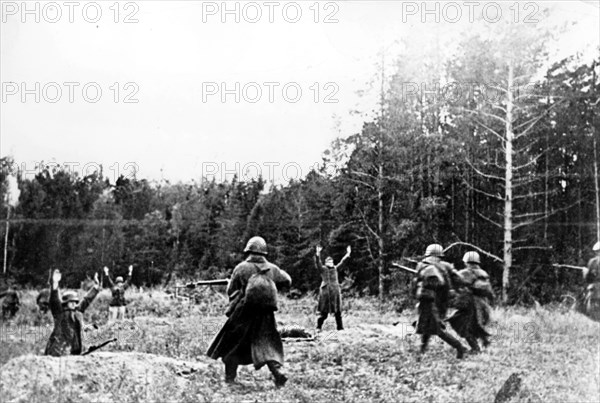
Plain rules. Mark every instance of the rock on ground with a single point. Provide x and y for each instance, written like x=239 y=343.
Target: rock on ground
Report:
x=100 y=377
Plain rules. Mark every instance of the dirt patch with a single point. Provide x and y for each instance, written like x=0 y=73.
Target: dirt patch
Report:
x=102 y=376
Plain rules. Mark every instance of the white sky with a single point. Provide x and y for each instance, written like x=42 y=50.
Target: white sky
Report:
x=170 y=52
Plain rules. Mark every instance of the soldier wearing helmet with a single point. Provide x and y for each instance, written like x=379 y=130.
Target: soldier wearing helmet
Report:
x=118 y=304
x=472 y=304
x=66 y=338
x=330 y=296
x=432 y=285
x=250 y=334
x=10 y=303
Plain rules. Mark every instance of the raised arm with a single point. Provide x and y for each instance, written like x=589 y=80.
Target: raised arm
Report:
x=55 y=303
x=346 y=256
x=108 y=279
x=318 y=263
x=87 y=300
x=127 y=281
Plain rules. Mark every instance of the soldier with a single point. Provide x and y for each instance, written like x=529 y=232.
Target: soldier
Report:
x=473 y=311
x=118 y=303
x=250 y=334
x=432 y=285
x=68 y=318
x=43 y=300
x=10 y=304
x=591 y=276
x=330 y=299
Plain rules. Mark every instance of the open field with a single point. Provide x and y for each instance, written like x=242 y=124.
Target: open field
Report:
x=555 y=352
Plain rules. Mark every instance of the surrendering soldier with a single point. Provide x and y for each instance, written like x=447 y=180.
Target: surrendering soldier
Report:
x=10 y=303
x=432 y=288
x=473 y=311
x=591 y=277
x=68 y=318
x=330 y=297
x=250 y=334
x=118 y=304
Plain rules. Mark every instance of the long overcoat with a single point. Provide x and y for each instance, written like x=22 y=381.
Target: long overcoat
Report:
x=66 y=338
x=434 y=304
x=472 y=309
x=250 y=336
x=330 y=295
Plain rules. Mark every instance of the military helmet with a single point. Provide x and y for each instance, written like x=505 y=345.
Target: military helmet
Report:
x=119 y=279
x=596 y=247
x=70 y=296
x=434 y=250
x=256 y=244
x=471 y=257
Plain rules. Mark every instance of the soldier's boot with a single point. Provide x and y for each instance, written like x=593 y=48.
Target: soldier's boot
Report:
x=448 y=338
x=275 y=368
x=230 y=372
x=424 y=342
x=474 y=345
x=320 y=320
x=338 y=321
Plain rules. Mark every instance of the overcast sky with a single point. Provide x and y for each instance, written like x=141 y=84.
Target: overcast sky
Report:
x=173 y=61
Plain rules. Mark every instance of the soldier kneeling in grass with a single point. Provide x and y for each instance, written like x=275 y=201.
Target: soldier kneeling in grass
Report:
x=66 y=338
x=250 y=334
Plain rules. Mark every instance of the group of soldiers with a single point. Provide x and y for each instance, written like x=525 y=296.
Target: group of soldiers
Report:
x=250 y=335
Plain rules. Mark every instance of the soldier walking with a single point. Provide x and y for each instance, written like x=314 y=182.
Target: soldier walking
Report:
x=250 y=334
x=433 y=285
x=330 y=297
x=118 y=304
x=473 y=311
x=68 y=318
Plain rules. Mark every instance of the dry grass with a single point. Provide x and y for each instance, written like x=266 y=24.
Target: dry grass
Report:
x=556 y=352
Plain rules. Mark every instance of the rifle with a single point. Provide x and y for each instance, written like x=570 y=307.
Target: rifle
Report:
x=98 y=346
x=223 y=281
x=404 y=268
x=568 y=266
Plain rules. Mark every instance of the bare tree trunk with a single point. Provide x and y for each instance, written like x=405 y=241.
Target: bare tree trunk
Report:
x=6 y=238
x=508 y=182
x=597 y=185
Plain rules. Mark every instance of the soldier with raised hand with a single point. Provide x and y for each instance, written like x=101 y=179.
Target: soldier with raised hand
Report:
x=432 y=288
x=66 y=338
x=591 y=277
x=250 y=334
x=330 y=297
x=118 y=303
x=473 y=311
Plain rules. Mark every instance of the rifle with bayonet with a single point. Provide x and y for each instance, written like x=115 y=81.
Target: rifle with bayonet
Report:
x=223 y=281
x=98 y=346
x=404 y=268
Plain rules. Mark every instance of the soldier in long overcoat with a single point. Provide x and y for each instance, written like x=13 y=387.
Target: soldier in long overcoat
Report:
x=66 y=338
x=433 y=285
x=330 y=296
x=250 y=334
x=591 y=277
x=473 y=311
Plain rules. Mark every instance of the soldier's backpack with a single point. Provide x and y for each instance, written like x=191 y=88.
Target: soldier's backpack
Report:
x=261 y=290
x=431 y=280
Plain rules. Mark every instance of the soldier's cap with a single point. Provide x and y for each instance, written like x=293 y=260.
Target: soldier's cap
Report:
x=70 y=296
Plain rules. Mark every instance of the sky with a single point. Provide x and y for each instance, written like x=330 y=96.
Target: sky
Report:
x=178 y=90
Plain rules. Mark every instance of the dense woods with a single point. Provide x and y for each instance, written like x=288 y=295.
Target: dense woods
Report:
x=502 y=155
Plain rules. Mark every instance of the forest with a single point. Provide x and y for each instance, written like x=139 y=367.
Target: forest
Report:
x=485 y=144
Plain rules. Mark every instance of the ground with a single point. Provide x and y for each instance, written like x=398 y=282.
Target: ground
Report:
x=160 y=356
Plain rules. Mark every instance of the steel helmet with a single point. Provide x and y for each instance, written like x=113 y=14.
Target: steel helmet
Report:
x=256 y=244
x=471 y=257
x=70 y=296
x=434 y=250
x=596 y=247
x=119 y=279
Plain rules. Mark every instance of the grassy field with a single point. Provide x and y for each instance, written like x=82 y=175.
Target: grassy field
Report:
x=555 y=352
